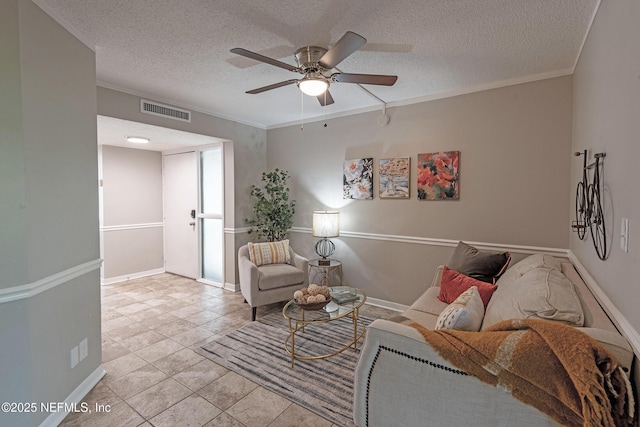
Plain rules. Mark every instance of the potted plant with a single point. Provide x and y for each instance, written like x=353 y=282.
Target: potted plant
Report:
x=272 y=209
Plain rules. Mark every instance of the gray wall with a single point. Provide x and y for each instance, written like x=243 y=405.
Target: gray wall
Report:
x=245 y=159
x=49 y=244
x=13 y=236
x=606 y=112
x=515 y=147
x=132 y=235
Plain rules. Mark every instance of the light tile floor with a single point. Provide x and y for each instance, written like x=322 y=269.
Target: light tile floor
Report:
x=150 y=327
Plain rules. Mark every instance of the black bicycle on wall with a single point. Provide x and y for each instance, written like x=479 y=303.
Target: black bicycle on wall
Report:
x=589 y=212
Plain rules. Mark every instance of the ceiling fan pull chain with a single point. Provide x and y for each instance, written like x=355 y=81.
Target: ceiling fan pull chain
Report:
x=324 y=109
x=301 y=111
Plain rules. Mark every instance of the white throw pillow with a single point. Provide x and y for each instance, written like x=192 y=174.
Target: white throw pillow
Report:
x=463 y=314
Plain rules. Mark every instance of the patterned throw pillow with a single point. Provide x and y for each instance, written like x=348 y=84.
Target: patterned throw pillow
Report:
x=270 y=253
x=464 y=314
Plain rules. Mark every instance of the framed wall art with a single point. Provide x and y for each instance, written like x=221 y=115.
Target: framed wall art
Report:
x=439 y=176
x=357 y=179
x=393 y=175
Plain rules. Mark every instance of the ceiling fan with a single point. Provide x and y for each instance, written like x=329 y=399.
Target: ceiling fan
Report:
x=316 y=65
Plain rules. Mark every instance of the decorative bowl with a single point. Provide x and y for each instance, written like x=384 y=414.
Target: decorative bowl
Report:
x=314 y=305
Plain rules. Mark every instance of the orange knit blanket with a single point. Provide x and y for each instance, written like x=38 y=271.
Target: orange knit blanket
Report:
x=551 y=366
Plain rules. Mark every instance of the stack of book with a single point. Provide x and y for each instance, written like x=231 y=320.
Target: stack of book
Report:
x=343 y=296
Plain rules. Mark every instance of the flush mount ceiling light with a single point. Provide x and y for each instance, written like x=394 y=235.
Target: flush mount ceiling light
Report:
x=313 y=84
x=138 y=139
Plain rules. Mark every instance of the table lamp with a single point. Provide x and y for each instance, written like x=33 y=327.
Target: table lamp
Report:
x=325 y=224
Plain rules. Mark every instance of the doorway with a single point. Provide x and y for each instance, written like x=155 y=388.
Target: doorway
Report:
x=131 y=197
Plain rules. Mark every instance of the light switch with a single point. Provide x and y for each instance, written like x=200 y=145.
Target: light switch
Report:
x=624 y=234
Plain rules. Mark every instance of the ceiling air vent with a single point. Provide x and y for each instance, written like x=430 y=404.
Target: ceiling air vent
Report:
x=162 y=110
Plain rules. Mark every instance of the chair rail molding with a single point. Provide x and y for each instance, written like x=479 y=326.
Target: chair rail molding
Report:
x=240 y=230
x=107 y=228
x=27 y=291
x=443 y=242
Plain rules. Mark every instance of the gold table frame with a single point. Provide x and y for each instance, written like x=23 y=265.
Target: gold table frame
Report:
x=299 y=318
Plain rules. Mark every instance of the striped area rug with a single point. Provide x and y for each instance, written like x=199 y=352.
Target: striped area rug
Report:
x=256 y=351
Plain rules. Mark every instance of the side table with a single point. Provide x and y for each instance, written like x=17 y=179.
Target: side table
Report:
x=326 y=275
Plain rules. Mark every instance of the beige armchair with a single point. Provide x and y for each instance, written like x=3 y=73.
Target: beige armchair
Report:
x=270 y=283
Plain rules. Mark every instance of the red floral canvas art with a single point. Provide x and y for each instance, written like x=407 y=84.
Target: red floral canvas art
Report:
x=438 y=176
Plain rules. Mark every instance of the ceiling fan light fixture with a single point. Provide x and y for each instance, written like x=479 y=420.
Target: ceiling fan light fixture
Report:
x=313 y=85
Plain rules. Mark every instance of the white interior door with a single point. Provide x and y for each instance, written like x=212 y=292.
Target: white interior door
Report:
x=180 y=176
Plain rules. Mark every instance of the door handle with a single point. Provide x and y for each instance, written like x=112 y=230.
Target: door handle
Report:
x=193 y=224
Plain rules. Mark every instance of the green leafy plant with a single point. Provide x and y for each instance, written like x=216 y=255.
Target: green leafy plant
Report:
x=272 y=209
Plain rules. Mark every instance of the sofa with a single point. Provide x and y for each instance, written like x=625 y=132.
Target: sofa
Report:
x=401 y=380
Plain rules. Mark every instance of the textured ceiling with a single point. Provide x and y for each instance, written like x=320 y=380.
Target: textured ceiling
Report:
x=177 y=52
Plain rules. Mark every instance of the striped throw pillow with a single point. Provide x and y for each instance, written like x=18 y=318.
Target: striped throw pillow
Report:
x=270 y=253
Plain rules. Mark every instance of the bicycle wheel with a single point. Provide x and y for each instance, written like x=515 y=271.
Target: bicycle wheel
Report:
x=597 y=224
x=580 y=223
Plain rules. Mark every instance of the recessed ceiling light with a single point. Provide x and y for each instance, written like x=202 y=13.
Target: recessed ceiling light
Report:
x=138 y=139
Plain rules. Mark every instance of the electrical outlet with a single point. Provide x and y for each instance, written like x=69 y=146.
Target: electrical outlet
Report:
x=74 y=357
x=84 y=349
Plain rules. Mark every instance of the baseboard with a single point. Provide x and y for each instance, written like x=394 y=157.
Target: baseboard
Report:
x=386 y=304
x=228 y=286
x=75 y=397
x=621 y=322
x=233 y=287
x=138 y=275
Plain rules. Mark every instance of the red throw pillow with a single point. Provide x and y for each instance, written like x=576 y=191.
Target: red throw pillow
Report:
x=453 y=284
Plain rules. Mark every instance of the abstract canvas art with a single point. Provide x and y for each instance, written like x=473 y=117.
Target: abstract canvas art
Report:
x=357 y=180
x=438 y=176
x=394 y=178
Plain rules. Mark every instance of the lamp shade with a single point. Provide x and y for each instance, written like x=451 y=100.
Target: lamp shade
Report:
x=326 y=224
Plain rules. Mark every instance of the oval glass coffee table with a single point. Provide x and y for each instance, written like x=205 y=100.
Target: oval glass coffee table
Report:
x=299 y=318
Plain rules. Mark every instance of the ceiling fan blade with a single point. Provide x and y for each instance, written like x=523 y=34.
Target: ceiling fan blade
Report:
x=325 y=100
x=248 y=54
x=344 y=47
x=368 y=79
x=273 y=86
